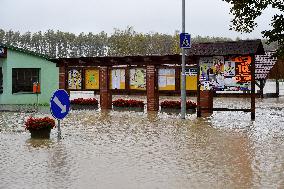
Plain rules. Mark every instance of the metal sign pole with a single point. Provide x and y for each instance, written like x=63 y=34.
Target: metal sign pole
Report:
x=183 y=90
x=37 y=101
x=59 y=130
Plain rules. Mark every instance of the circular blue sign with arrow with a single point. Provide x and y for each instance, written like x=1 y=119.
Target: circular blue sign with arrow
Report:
x=59 y=104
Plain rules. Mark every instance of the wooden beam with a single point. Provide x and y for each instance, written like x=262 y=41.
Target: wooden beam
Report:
x=252 y=87
x=256 y=83
x=277 y=87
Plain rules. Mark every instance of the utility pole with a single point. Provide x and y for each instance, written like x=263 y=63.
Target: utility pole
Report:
x=183 y=91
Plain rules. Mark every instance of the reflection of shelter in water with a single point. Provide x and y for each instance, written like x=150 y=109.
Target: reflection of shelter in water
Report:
x=60 y=165
x=214 y=158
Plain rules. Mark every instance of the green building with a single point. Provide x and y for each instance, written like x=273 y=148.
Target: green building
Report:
x=19 y=70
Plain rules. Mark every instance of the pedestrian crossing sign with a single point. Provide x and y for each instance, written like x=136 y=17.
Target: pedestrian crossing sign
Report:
x=185 y=41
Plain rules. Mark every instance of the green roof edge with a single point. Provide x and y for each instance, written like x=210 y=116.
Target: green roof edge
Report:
x=25 y=51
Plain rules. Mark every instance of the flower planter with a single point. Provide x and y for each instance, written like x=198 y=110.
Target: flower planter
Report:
x=40 y=133
x=40 y=127
x=83 y=107
x=84 y=104
x=135 y=109
x=177 y=111
x=172 y=106
x=128 y=105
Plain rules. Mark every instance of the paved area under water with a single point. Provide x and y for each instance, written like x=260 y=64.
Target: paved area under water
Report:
x=124 y=149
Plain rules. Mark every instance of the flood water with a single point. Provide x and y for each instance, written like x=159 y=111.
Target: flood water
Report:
x=123 y=149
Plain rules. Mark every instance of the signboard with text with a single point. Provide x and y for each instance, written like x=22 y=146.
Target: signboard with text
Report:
x=263 y=64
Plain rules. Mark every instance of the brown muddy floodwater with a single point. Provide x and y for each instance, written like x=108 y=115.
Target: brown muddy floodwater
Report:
x=138 y=150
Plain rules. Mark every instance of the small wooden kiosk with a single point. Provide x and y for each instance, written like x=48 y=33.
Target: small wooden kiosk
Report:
x=225 y=66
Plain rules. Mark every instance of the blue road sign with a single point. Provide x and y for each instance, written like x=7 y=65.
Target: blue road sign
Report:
x=59 y=104
x=185 y=40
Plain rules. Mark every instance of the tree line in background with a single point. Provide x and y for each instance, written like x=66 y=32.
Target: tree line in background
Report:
x=57 y=44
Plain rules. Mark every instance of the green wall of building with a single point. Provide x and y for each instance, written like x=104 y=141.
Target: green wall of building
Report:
x=49 y=76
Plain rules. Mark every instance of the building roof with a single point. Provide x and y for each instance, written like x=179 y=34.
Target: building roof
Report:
x=247 y=47
x=277 y=72
x=242 y=47
x=120 y=60
x=24 y=51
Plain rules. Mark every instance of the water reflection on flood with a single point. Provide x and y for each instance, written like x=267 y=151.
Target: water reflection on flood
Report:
x=110 y=149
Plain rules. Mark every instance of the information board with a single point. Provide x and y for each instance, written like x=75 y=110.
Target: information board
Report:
x=75 y=79
x=263 y=64
x=225 y=73
x=92 y=79
x=138 y=78
x=166 y=79
x=117 y=79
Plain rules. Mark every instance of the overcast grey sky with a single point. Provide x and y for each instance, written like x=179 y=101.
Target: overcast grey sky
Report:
x=203 y=17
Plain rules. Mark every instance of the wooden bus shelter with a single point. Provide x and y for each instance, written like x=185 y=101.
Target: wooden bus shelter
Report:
x=152 y=65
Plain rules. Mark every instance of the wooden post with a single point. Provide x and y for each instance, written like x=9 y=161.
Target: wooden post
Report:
x=277 y=87
x=152 y=88
x=253 y=87
x=105 y=92
x=261 y=88
x=127 y=79
x=277 y=80
x=206 y=102
x=177 y=79
x=63 y=83
x=83 y=72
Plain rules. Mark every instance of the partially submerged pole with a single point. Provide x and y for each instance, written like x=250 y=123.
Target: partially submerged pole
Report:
x=183 y=90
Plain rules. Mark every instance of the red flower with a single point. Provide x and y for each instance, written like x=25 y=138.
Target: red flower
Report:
x=82 y=101
x=128 y=103
x=39 y=123
x=177 y=104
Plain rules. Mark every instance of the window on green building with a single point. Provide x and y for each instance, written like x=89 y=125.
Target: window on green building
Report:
x=23 y=79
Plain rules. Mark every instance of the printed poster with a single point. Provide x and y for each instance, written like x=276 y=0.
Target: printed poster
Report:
x=74 y=79
x=162 y=81
x=92 y=79
x=171 y=81
x=229 y=74
x=118 y=79
x=229 y=69
x=191 y=78
x=138 y=78
x=166 y=78
x=206 y=72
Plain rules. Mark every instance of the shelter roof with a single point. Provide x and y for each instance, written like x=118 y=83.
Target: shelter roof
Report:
x=242 y=47
x=246 y=47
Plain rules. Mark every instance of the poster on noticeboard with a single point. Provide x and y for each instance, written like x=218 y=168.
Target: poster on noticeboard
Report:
x=166 y=79
x=75 y=79
x=138 y=78
x=225 y=73
x=92 y=77
x=118 y=79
